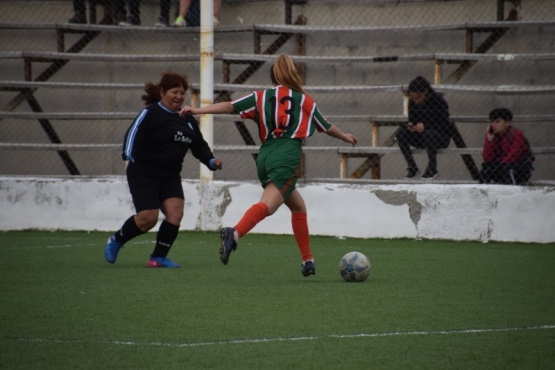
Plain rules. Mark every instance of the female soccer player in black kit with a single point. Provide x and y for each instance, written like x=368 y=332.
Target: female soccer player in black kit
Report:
x=155 y=146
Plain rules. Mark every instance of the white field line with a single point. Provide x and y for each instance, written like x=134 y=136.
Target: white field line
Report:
x=286 y=339
x=82 y=245
x=102 y=244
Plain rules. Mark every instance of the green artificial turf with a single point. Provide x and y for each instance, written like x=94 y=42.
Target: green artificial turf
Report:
x=426 y=305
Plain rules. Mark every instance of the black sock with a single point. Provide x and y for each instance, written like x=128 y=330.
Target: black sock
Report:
x=165 y=238
x=128 y=231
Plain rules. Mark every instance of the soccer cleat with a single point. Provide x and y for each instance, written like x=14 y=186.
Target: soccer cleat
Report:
x=228 y=244
x=412 y=172
x=112 y=249
x=162 y=262
x=180 y=22
x=308 y=268
x=429 y=174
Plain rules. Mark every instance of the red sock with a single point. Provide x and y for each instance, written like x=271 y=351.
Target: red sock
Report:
x=254 y=215
x=300 y=230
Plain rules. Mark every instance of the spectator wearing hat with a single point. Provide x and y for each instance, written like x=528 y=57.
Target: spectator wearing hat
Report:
x=507 y=155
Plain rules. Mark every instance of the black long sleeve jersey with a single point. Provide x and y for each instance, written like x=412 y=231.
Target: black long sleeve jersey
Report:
x=158 y=140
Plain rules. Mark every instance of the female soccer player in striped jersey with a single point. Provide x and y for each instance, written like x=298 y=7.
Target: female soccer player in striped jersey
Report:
x=286 y=115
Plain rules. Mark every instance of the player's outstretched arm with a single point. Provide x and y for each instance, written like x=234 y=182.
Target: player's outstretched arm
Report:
x=335 y=132
x=222 y=107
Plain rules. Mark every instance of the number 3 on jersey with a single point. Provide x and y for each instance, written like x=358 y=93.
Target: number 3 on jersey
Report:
x=284 y=102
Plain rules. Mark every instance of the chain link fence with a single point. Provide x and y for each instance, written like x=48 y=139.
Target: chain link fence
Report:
x=79 y=85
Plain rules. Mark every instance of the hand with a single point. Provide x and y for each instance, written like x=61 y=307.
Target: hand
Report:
x=489 y=133
x=218 y=163
x=415 y=127
x=351 y=139
x=186 y=110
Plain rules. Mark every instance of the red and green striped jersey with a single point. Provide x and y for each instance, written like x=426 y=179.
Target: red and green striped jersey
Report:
x=282 y=113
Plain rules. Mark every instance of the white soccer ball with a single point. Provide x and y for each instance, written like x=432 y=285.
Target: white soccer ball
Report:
x=354 y=266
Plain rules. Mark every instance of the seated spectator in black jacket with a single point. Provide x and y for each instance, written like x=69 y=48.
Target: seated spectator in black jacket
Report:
x=507 y=155
x=428 y=127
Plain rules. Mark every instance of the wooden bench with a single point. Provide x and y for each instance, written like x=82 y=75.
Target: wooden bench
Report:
x=465 y=60
x=300 y=29
x=379 y=121
x=375 y=154
x=373 y=163
x=373 y=160
x=284 y=32
x=438 y=60
x=91 y=31
x=343 y=152
x=95 y=116
x=250 y=149
x=469 y=28
x=11 y=54
x=463 y=89
x=30 y=57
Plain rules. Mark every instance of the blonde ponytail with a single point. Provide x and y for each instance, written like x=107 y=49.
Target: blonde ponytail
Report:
x=285 y=73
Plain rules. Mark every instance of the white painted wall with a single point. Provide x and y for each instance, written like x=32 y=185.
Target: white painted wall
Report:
x=455 y=212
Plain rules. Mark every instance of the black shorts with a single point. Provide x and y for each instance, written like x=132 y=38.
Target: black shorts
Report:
x=148 y=192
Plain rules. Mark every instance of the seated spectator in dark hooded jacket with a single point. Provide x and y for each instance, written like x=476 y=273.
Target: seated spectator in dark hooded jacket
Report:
x=428 y=127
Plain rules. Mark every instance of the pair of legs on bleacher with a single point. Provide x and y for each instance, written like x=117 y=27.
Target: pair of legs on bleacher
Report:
x=431 y=140
x=114 y=11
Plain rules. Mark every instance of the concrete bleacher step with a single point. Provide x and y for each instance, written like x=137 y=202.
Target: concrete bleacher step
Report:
x=449 y=31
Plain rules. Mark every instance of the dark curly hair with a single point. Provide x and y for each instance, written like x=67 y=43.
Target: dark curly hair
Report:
x=169 y=80
x=503 y=113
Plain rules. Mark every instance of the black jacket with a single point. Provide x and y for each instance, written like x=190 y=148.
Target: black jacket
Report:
x=434 y=113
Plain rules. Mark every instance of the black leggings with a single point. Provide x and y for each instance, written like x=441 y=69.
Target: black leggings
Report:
x=431 y=140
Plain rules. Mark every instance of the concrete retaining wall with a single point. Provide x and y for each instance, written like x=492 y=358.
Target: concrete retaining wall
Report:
x=455 y=212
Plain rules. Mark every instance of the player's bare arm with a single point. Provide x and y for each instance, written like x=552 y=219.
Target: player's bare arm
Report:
x=335 y=132
x=218 y=108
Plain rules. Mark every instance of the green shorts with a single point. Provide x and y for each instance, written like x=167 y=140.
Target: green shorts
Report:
x=279 y=161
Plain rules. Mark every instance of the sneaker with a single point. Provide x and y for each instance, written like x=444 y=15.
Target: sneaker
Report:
x=228 y=244
x=429 y=174
x=180 y=22
x=308 y=268
x=130 y=21
x=162 y=23
x=78 y=19
x=412 y=173
x=119 y=17
x=112 y=249
x=162 y=262
x=216 y=21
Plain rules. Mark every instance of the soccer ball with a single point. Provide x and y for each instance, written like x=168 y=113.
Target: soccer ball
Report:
x=354 y=266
